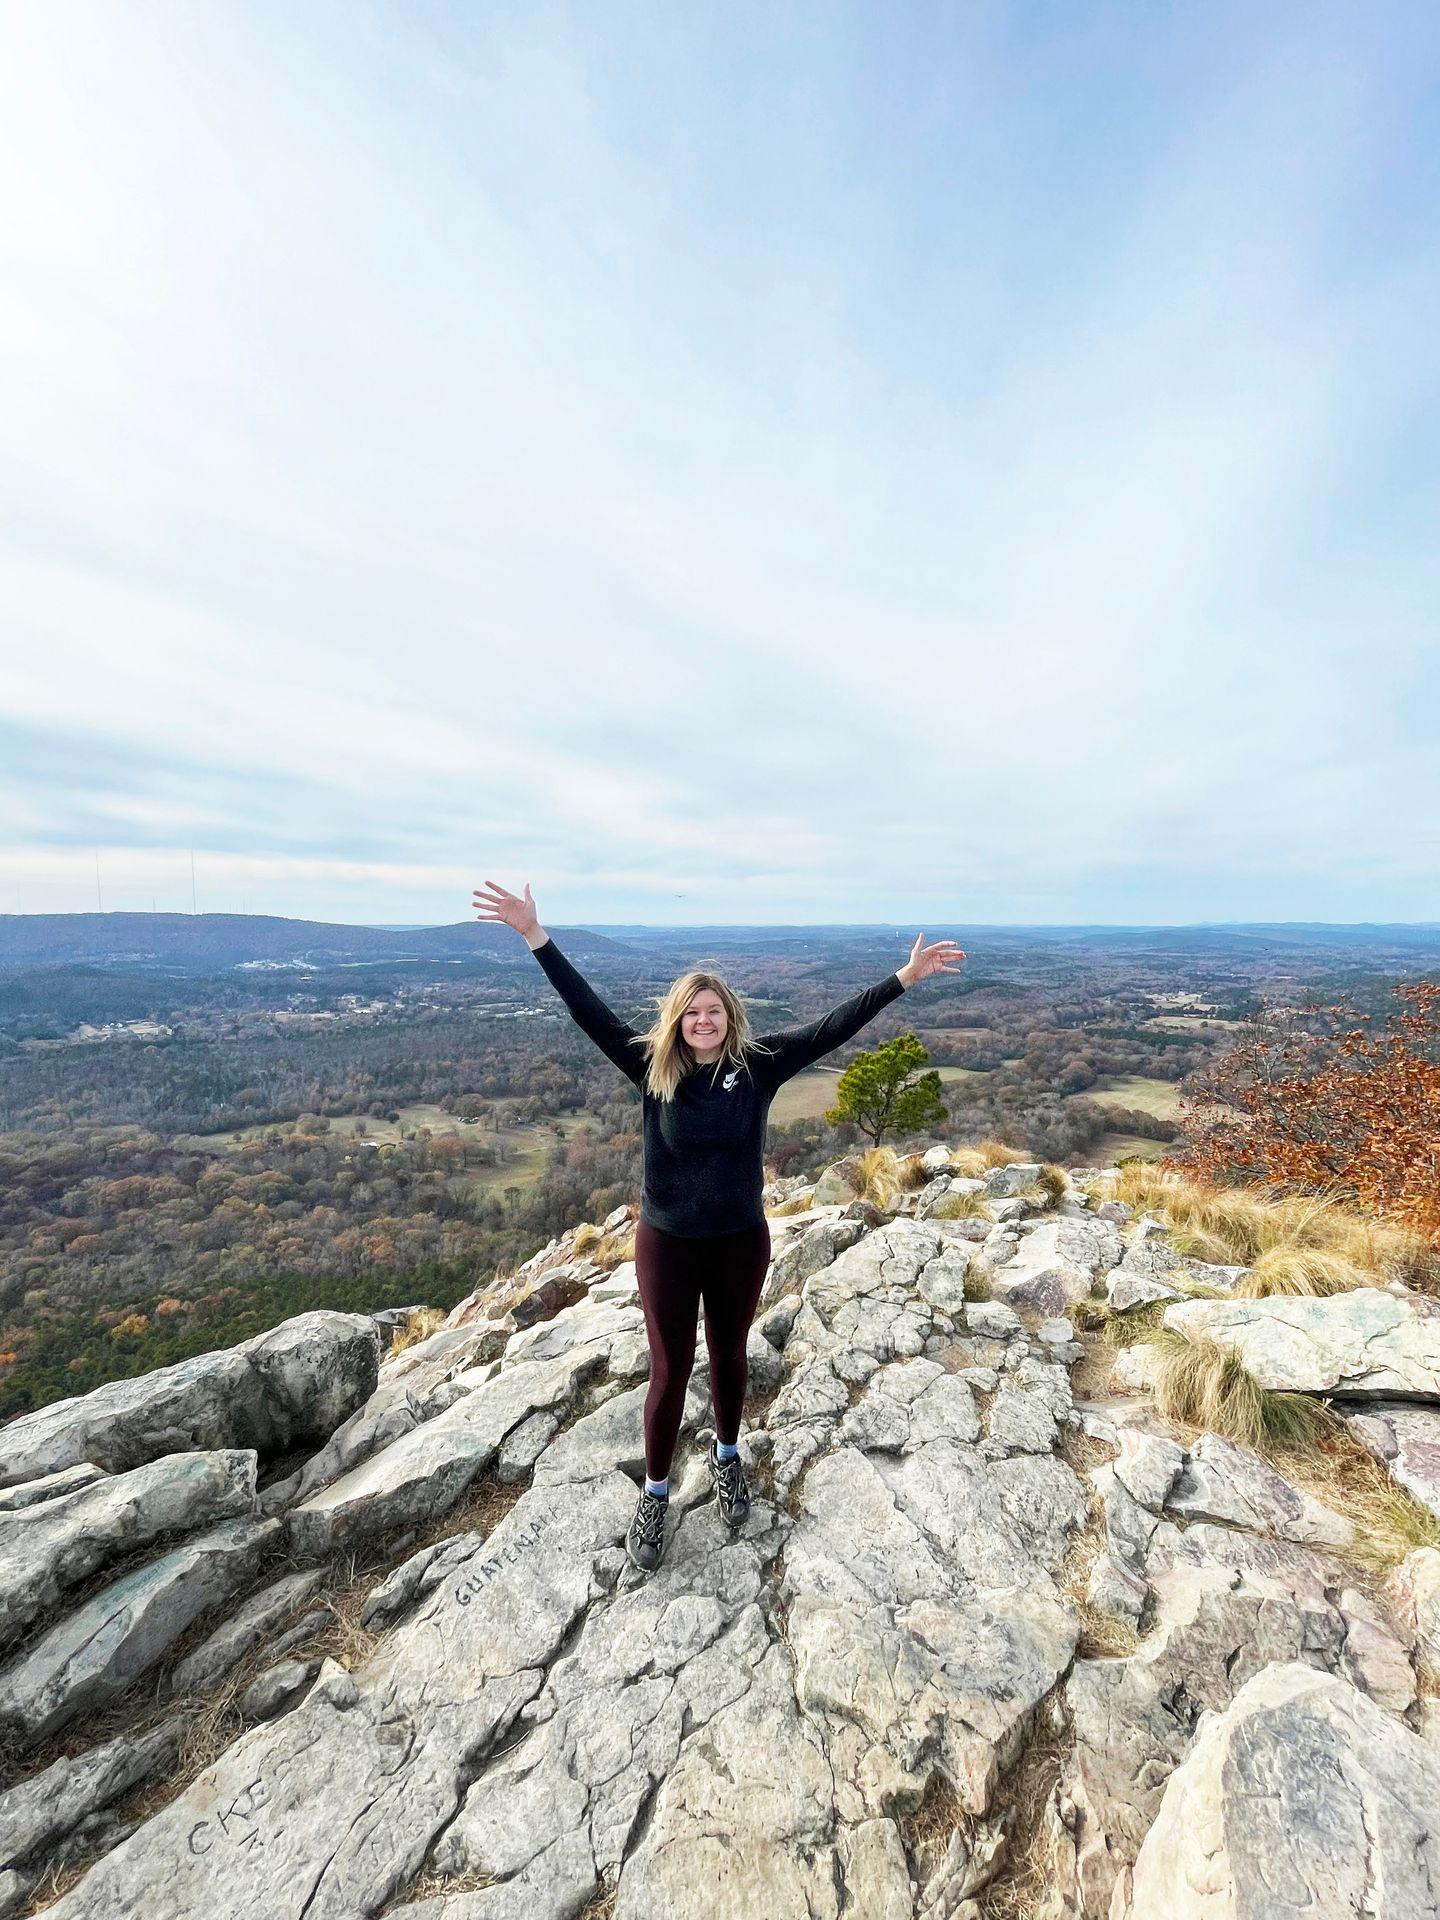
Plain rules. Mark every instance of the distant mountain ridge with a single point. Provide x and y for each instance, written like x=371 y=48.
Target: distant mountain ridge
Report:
x=204 y=942
x=216 y=942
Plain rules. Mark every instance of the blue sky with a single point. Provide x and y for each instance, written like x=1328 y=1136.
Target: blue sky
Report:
x=918 y=463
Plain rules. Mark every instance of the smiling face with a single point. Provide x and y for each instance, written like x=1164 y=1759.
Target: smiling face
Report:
x=703 y=1025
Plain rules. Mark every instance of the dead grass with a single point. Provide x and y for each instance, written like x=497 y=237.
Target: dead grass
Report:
x=797 y=1203
x=880 y=1177
x=975 y=1162
x=1209 y=1386
x=1053 y=1184
x=961 y=1206
x=421 y=1324
x=429 y=1885
x=600 y=1905
x=912 y=1173
x=1091 y=1377
x=1246 y=1226
x=1309 y=1270
x=1132 y=1325
x=1101 y=1638
x=979 y=1281
x=1340 y=1471
x=925 y=1829
x=1023 y=1887
x=55 y=1883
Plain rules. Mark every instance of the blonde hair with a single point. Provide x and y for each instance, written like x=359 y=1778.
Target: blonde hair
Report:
x=668 y=1054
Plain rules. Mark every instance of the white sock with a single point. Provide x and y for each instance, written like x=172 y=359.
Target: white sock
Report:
x=660 y=1488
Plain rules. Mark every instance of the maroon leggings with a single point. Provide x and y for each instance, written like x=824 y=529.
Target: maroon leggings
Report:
x=727 y=1272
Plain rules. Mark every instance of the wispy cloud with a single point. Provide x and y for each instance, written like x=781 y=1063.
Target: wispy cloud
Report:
x=906 y=463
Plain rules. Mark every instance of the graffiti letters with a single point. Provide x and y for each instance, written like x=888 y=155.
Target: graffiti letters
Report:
x=478 y=1577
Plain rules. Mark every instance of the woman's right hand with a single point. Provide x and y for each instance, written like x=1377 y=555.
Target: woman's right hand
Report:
x=497 y=904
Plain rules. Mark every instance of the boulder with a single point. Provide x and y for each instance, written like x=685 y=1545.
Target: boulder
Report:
x=47 y=1549
x=425 y=1472
x=29 y=1493
x=1407 y=1439
x=1414 y=1589
x=1302 y=1797
x=1221 y=1481
x=277 y=1689
x=246 y=1627
x=284 y=1389
x=121 y=1633
x=1004 y=1182
x=1369 y=1344
x=52 y=1803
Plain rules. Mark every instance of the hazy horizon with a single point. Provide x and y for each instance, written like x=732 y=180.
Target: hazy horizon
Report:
x=769 y=464
x=701 y=926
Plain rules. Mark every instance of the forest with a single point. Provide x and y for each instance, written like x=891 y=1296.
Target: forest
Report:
x=163 y=1195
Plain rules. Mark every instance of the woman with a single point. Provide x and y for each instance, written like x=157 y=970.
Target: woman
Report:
x=706 y=1085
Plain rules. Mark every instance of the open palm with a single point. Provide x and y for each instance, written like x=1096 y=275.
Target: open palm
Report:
x=497 y=904
x=943 y=956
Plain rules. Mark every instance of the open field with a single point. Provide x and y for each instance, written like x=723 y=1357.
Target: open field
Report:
x=1160 y=1097
x=526 y=1148
x=1111 y=1147
x=1193 y=1023
x=371 y=1127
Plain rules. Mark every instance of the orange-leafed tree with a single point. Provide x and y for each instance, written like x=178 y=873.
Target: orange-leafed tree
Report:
x=1328 y=1099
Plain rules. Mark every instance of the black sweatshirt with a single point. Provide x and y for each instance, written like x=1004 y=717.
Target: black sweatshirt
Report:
x=704 y=1170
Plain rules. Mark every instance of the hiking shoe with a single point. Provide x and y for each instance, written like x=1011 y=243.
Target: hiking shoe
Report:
x=645 y=1542
x=732 y=1496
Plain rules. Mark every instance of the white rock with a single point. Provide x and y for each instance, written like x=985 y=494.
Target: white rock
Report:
x=47 y=1549
x=1367 y=1344
x=286 y=1388
x=1302 y=1797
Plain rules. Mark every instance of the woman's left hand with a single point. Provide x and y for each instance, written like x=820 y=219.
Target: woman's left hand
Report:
x=941 y=957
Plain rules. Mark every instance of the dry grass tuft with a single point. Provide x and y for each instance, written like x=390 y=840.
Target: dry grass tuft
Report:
x=1309 y=1270
x=1024 y=1886
x=979 y=1281
x=797 y=1203
x=911 y=1172
x=1340 y=1471
x=1244 y=1226
x=421 y=1324
x=879 y=1176
x=1053 y=1184
x=975 y=1162
x=1129 y=1326
x=586 y=1235
x=615 y=1249
x=961 y=1206
x=1200 y=1383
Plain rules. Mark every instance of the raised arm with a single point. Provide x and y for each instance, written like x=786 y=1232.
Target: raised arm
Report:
x=795 y=1048
x=589 y=1012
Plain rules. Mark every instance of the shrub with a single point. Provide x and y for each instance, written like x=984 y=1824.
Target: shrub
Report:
x=1330 y=1100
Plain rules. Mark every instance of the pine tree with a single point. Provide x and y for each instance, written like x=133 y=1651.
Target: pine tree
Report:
x=878 y=1095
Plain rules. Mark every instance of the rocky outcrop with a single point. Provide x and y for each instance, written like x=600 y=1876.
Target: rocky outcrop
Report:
x=1302 y=1796
x=48 y=1549
x=757 y=1725
x=1371 y=1344
x=284 y=1389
